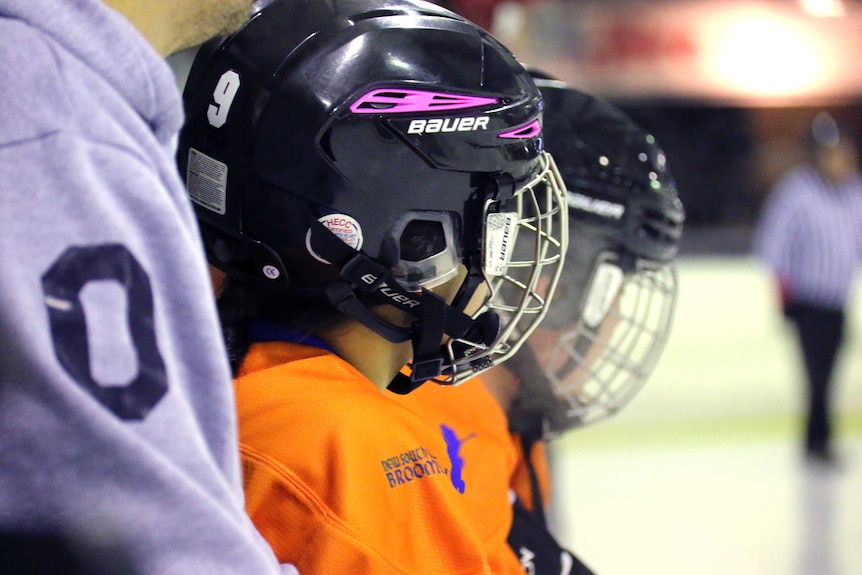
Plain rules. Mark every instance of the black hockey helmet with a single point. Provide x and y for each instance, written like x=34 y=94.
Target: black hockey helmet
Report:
x=611 y=315
x=324 y=138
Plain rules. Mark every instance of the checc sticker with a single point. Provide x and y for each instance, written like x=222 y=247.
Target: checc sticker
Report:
x=500 y=229
x=345 y=227
x=206 y=179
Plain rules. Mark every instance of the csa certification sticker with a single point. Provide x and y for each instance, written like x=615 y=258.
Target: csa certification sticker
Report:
x=206 y=179
x=345 y=227
x=500 y=229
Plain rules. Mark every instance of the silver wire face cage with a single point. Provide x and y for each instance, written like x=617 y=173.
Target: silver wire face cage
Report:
x=599 y=365
x=536 y=217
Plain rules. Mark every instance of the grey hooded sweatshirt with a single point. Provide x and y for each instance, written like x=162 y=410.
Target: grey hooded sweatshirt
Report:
x=117 y=417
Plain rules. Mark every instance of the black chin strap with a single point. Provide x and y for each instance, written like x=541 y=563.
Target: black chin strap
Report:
x=484 y=331
x=342 y=296
x=427 y=361
x=427 y=335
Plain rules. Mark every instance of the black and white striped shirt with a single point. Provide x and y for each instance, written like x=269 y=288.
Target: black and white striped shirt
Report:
x=810 y=233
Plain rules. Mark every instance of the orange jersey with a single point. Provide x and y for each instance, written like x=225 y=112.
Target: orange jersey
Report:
x=521 y=483
x=477 y=428
x=340 y=478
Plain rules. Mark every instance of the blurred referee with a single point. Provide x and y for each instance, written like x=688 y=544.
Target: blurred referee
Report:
x=810 y=236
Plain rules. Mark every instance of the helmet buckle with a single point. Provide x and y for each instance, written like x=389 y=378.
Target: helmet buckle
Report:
x=426 y=369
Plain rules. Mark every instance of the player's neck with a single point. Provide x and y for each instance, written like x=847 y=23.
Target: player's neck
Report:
x=371 y=354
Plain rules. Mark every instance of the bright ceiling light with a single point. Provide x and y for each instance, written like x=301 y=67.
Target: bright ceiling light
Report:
x=823 y=8
x=761 y=54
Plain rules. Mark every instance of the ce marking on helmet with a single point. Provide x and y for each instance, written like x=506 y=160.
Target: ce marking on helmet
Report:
x=389 y=292
x=271 y=272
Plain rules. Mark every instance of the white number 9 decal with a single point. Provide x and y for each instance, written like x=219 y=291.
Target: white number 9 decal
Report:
x=223 y=95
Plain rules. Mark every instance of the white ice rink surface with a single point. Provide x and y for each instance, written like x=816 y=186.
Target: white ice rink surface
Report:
x=702 y=474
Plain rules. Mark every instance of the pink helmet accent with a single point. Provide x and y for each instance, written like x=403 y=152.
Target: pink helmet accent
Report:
x=528 y=131
x=395 y=101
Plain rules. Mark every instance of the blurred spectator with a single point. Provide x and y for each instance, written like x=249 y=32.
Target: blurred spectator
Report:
x=810 y=236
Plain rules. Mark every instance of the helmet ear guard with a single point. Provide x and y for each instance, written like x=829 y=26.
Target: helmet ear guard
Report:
x=245 y=258
x=423 y=249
